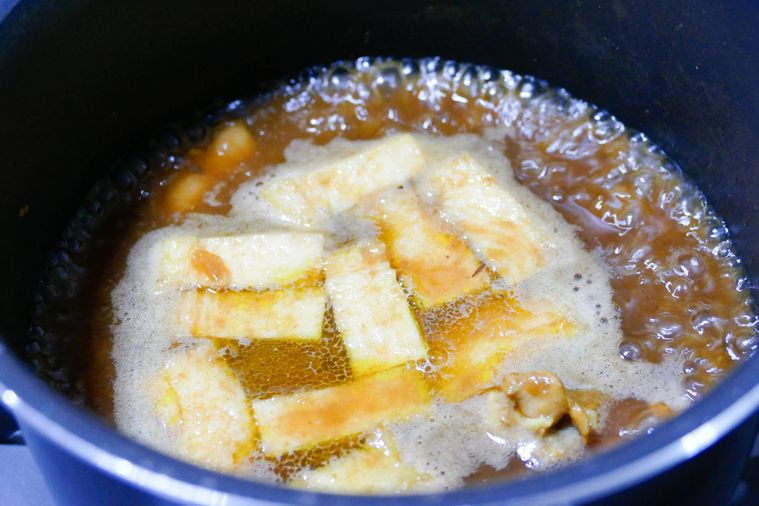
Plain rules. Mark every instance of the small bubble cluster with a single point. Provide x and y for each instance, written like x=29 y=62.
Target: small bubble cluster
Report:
x=285 y=466
x=271 y=367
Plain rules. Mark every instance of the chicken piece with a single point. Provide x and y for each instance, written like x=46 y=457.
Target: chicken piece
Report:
x=371 y=310
x=585 y=410
x=545 y=452
x=296 y=313
x=231 y=146
x=310 y=196
x=239 y=262
x=496 y=226
x=539 y=400
x=536 y=401
x=185 y=193
x=202 y=402
x=435 y=264
x=374 y=468
x=304 y=419
x=473 y=347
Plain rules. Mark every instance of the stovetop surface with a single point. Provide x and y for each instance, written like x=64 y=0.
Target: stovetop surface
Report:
x=21 y=483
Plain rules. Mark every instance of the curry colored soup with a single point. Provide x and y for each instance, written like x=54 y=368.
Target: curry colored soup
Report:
x=394 y=277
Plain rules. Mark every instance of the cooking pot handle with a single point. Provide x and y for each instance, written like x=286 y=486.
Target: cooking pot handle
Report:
x=9 y=431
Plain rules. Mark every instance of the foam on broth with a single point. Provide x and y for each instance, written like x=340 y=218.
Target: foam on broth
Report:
x=455 y=441
x=661 y=287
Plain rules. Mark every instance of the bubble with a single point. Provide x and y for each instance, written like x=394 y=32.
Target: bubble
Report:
x=688 y=264
x=60 y=257
x=746 y=320
x=722 y=250
x=689 y=367
x=364 y=63
x=340 y=78
x=387 y=78
x=197 y=133
x=169 y=141
x=124 y=179
x=605 y=128
x=630 y=351
x=450 y=69
x=33 y=348
x=746 y=344
x=694 y=389
x=94 y=207
x=409 y=67
x=138 y=167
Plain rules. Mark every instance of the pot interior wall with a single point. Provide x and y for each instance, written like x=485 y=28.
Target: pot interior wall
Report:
x=83 y=84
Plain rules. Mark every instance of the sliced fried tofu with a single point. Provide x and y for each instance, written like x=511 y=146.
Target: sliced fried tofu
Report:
x=308 y=197
x=371 y=310
x=475 y=345
x=200 y=399
x=295 y=313
x=375 y=468
x=249 y=261
x=304 y=419
x=435 y=264
x=493 y=222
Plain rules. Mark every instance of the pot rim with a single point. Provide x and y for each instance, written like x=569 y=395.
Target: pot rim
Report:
x=40 y=408
x=48 y=413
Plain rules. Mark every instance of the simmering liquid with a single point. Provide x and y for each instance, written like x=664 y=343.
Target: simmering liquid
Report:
x=657 y=291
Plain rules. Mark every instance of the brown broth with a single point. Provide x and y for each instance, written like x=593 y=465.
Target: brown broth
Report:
x=676 y=280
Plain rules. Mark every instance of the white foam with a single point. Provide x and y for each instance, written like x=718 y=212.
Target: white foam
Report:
x=454 y=441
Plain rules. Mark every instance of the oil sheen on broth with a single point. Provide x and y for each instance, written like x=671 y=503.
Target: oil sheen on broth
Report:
x=402 y=277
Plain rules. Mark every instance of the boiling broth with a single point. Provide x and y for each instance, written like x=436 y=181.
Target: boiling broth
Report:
x=676 y=282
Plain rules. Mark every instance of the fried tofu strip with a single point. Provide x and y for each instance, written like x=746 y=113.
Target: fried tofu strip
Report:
x=200 y=399
x=476 y=345
x=304 y=419
x=371 y=310
x=437 y=265
x=296 y=313
x=373 y=469
x=250 y=261
x=308 y=197
x=495 y=225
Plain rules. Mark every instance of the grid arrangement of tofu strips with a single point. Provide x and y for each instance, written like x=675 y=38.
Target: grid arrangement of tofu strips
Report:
x=304 y=356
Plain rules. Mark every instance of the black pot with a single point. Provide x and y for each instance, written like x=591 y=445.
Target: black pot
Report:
x=82 y=83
